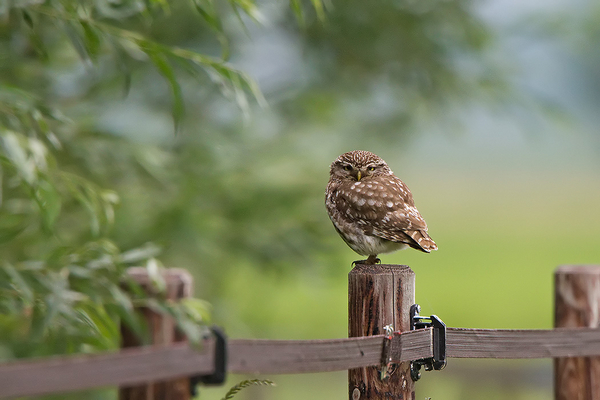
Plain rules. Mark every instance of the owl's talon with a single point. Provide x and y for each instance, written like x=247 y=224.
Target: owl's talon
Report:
x=372 y=260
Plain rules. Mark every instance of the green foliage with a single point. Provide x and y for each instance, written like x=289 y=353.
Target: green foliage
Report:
x=94 y=28
x=61 y=277
x=89 y=178
x=244 y=384
x=69 y=302
x=390 y=64
x=62 y=270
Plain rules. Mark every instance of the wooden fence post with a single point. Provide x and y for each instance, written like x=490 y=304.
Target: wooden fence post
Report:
x=577 y=304
x=162 y=331
x=379 y=295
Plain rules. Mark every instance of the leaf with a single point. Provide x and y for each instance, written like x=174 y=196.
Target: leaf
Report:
x=121 y=299
x=76 y=271
x=44 y=315
x=157 y=306
x=11 y=225
x=38 y=153
x=90 y=197
x=18 y=156
x=122 y=57
x=192 y=331
x=296 y=6
x=140 y=254
x=40 y=121
x=77 y=42
x=161 y=62
x=106 y=327
x=19 y=283
x=252 y=86
x=206 y=8
x=49 y=201
x=135 y=290
x=27 y=18
x=237 y=82
x=123 y=307
x=319 y=9
x=38 y=44
x=244 y=384
x=155 y=276
x=91 y=39
x=198 y=310
x=249 y=9
x=109 y=200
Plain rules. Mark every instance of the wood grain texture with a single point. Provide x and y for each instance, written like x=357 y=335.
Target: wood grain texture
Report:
x=131 y=366
x=379 y=295
x=521 y=344
x=577 y=304
x=178 y=284
x=137 y=365
x=299 y=356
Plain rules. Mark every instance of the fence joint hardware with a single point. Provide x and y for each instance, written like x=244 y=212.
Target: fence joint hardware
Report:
x=438 y=361
x=387 y=367
x=220 y=362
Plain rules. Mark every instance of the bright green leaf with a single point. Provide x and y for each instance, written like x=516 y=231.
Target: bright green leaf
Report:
x=161 y=62
x=49 y=201
x=91 y=39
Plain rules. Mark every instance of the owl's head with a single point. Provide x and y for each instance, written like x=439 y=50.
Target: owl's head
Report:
x=358 y=165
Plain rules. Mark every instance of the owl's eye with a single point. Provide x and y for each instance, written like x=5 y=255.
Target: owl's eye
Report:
x=347 y=167
x=371 y=168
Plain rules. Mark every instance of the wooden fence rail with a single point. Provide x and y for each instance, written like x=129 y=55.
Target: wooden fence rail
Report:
x=176 y=360
x=157 y=363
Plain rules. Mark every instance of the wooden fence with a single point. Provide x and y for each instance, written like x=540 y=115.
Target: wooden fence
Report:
x=378 y=295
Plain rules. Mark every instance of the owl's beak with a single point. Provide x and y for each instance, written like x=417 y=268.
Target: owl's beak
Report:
x=358 y=175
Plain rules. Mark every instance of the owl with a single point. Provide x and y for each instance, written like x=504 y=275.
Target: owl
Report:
x=371 y=209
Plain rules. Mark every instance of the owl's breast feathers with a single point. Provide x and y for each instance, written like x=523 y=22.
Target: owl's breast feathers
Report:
x=383 y=208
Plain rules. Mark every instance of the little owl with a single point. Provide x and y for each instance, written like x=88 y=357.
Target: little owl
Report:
x=371 y=209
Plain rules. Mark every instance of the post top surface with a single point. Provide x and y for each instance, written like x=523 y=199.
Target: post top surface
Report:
x=578 y=269
x=371 y=269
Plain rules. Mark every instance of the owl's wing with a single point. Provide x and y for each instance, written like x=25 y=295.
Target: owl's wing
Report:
x=386 y=209
x=404 y=224
x=417 y=239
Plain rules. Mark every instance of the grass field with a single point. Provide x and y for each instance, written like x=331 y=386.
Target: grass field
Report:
x=500 y=239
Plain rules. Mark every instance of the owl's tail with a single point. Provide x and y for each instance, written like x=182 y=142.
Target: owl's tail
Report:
x=421 y=241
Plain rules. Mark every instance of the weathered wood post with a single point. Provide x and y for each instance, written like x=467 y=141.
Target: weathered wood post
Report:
x=577 y=304
x=379 y=295
x=163 y=330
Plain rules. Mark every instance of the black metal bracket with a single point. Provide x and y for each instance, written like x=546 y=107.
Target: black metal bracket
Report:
x=220 y=373
x=438 y=361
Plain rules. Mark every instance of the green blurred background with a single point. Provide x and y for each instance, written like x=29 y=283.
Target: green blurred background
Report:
x=487 y=110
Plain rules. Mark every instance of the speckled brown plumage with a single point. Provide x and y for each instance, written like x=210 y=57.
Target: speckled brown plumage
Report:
x=373 y=210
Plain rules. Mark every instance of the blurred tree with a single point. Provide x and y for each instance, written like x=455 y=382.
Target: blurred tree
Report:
x=61 y=275
x=218 y=193
x=390 y=63
x=241 y=191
